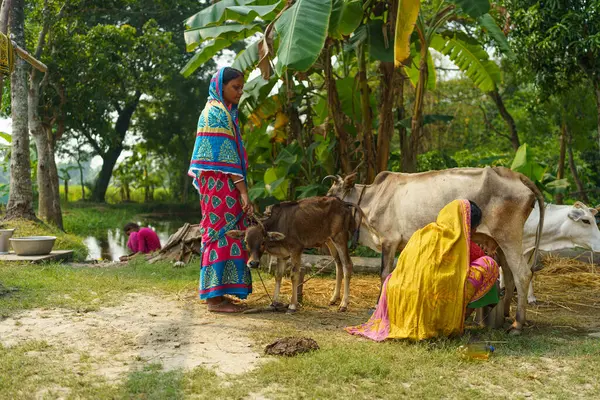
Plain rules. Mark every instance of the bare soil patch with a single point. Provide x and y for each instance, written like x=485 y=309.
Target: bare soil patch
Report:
x=142 y=330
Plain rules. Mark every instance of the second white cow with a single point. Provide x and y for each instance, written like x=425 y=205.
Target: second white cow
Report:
x=564 y=227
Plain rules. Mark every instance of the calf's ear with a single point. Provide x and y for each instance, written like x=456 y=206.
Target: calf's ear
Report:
x=275 y=236
x=594 y=211
x=236 y=234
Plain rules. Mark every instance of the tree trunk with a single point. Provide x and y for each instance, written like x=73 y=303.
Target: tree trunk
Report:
x=597 y=89
x=409 y=160
x=336 y=115
x=561 y=160
x=109 y=158
x=81 y=179
x=66 y=190
x=4 y=13
x=389 y=87
x=510 y=122
x=401 y=115
x=47 y=176
x=367 y=116
x=386 y=116
x=20 y=200
x=581 y=190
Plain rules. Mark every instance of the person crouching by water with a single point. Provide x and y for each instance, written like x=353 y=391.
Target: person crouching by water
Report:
x=141 y=240
x=219 y=166
x=439 y=273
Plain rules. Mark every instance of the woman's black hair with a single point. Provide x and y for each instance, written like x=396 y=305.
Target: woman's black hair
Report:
x=475 y=215
x=230 y=74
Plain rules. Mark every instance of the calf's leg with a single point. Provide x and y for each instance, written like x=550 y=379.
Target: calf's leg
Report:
x=296 y=265
x=341 y=246
x=338 y=273
x=531 y=299
x=279 y=272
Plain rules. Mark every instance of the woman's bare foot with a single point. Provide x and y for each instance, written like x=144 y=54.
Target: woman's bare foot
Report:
x=225 y=306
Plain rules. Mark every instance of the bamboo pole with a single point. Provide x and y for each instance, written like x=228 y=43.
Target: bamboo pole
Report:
x=40 y=66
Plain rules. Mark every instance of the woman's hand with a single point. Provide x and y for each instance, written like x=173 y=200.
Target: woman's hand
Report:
x=246 y=204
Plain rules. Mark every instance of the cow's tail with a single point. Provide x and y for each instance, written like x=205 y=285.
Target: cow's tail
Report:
x=540 y=199
x=356 y=227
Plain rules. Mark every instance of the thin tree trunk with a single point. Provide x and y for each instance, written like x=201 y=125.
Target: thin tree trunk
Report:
x=582 y=193
x=597 y=89
x=367 y=116
x=81 y=179
x=20 y=201
x=409 y=160
x=386 y=116
x=401 y=115
x=109 y=160
x=561 y=160
x=510 y=122
x=336 y=115
x=389 y=88
x=66 y=190
x=112 y=155
x=4 y=13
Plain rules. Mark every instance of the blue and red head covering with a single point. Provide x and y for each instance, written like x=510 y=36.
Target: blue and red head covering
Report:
x=219 y=145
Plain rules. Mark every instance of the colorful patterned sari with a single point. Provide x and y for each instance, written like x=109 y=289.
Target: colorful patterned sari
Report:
x=427 y=294
x=219 y=156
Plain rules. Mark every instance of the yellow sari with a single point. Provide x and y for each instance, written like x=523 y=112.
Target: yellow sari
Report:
x=426 y=294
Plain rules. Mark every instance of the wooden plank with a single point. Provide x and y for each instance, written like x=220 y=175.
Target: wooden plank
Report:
x=53 y=256
x=40 y=66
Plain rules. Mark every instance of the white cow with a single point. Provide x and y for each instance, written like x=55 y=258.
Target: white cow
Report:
x=564 y=227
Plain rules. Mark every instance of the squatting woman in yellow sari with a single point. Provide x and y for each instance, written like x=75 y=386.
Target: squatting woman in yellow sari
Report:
x=438 y=274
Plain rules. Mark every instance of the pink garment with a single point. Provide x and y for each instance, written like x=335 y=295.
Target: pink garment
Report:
x=132 y=243
x=147 y=241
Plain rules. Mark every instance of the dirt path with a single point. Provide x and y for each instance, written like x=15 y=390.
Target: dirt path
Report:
x=142 y=330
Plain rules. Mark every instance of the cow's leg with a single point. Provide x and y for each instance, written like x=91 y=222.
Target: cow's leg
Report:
x=279 y=271
x=521 y=273
x=388 y=252
x=531 y=299
x=296 y=265
x=338 y=273
x=341 y=245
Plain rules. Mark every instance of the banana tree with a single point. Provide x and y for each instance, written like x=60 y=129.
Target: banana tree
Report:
x=419 y=29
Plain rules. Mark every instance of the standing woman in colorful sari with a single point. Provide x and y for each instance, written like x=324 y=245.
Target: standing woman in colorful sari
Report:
x=219 y=169
x=439 y=276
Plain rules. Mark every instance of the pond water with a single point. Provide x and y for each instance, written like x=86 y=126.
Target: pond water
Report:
x=112 y=244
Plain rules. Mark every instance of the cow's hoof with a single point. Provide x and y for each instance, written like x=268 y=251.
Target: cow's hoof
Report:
x=291 y=311
x=514 y=330
x=342 y=309
x=333 y=302
x=533 y=303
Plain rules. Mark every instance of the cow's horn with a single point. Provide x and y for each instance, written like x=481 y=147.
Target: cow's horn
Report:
x=579 y=204
x=335 y=178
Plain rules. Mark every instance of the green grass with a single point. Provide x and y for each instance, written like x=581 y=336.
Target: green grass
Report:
x=548 y=361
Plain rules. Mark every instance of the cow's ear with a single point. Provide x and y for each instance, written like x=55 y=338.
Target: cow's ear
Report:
x=239 y=235
x=275 y=236
x=594 y=211
x=349 y=181
x=575 y=214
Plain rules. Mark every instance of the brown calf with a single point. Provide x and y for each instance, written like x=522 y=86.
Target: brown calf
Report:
x=290 y=227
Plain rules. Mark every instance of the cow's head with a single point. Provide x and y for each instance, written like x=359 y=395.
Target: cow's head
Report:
x=582 y=228
x=256 y=238
x=341 y=186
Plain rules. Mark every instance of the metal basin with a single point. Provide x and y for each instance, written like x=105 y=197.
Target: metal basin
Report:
x=5 y=234
x=33 y=245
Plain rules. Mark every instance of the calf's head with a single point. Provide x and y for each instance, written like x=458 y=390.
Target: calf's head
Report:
x=256 y=238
